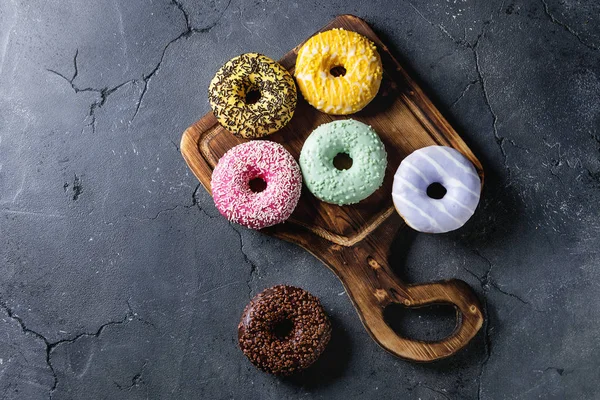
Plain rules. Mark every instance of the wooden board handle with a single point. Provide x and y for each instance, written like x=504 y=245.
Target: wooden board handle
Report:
x=372 y=286
x=371 y=297
x=453 y=292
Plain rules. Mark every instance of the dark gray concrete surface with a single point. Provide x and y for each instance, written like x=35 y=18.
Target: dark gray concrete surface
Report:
x=119 y=280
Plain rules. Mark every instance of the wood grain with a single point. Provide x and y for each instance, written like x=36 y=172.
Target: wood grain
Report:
x=354 y=241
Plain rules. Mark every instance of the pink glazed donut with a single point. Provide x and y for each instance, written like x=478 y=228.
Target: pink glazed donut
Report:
x=251 y=161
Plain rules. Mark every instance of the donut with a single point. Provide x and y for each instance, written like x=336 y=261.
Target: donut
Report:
x=361 y=144
x=252 y=96
x=263 y=162
x=434 y=169
x=283 y=330
x=338 y=71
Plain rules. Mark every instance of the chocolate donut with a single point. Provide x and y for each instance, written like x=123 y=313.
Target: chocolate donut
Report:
x=283 y=330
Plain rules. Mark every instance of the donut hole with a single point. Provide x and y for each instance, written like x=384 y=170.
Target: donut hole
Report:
x=436 y=191
x=252 y=96
x=337 y=71
x=429 y=323
x=342 y=161
x=257 y=185
x=283 y=329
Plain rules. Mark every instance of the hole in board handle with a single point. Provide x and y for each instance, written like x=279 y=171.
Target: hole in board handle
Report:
x=429 y=323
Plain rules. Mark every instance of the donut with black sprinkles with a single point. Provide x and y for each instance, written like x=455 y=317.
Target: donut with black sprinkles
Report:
x=252 y=96
x=283 y=330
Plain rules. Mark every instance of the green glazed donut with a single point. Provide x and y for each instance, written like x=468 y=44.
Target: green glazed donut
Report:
x=349 y=186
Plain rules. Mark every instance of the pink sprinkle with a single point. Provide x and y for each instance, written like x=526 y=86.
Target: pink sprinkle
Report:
x=261 y=159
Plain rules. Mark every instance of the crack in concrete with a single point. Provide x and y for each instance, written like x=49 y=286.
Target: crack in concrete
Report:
x=136 y=380
x=47 y=343
x=194 y=193
x=500 y=140
x=102 y=92
x=189 y=31
x=254 y=270
x=487 y=281
x=139 y=102
x=164 y=211
x=486 y=97
x=559 y=371
x=51 y=346
x=487 y=342
x=137 y=317
x=208 y=28
x=514 y=296
x=463 y=93
x=105 y=92
x=438 y=26
x=203 y=211
x=197 y=203
x=186 y=16
x=566 y=27
x=438 y=391
x=75 y=69
x=175 y=145
x=146 y=78
x=192 y=204
x=128 y=317
x=71 y=80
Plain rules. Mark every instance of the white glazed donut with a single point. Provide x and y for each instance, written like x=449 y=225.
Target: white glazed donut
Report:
x=436 y=165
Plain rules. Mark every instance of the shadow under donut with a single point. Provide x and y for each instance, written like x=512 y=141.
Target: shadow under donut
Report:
x=332 y=363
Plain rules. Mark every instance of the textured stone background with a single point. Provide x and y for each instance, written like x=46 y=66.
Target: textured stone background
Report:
x=118 y=279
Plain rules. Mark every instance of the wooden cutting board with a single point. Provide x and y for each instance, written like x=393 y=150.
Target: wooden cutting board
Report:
x=355 y=241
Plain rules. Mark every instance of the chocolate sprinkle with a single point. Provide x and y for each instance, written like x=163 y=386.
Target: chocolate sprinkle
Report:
x=249 y=73
x=261 y=342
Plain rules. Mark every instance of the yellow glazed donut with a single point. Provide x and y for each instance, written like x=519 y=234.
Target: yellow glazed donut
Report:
x=318 y=67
